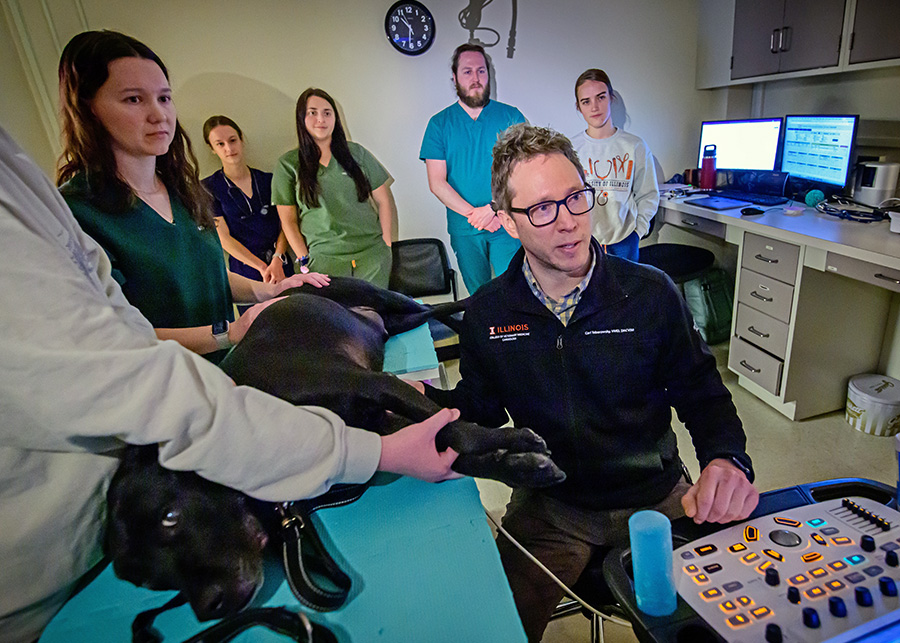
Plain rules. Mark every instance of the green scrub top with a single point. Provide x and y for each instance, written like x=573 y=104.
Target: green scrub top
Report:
x=174 y=273
x=341 y=226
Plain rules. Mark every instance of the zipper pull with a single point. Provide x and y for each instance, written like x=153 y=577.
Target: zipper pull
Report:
x=559 y=343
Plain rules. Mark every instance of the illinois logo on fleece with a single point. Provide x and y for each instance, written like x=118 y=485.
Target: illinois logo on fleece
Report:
x=508 y=332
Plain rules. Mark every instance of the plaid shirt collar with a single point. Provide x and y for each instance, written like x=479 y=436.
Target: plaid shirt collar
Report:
x=563 y=308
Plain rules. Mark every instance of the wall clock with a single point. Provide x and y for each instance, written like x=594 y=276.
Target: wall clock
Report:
x=409 y=27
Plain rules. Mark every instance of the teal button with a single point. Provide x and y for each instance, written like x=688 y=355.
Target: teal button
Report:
x=816 y=522
x=855 y=559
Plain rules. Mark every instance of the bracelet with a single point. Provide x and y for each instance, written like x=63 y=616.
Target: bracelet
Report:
x=302 y=263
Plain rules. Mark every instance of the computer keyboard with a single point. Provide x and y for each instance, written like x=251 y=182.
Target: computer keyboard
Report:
x=758 y=199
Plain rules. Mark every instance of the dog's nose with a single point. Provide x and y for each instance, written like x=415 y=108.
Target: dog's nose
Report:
x=211 y=603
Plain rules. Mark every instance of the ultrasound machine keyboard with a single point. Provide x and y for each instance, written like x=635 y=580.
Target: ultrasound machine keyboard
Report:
x=821 y=572
x=758 y=199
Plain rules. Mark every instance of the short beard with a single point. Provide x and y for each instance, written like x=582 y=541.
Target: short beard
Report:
x=472 y=101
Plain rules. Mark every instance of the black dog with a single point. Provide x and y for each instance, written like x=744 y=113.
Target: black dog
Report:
x=324 y=347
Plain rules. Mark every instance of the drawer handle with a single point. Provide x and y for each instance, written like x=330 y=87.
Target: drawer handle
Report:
x=750 y=368
x=766 y=259
x=878 y=275
x=753 y=293
x=757 y=333
x=693 y=224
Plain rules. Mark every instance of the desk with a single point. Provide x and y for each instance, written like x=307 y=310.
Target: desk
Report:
x=421 y=557
x=838 y=302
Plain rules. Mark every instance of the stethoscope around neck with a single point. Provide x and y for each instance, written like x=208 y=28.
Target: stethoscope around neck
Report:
x=264 y=207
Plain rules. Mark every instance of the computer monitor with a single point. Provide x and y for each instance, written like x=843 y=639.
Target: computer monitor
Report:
x=818 y=148
x=742 y=145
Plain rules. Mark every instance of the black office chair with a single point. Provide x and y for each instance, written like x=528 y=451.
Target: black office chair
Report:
x=422 y=268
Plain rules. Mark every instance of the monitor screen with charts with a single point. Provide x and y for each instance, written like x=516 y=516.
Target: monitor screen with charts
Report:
x=818 y=147
x=742 y=145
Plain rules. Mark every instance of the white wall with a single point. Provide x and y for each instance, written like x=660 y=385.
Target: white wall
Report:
x=250 y=60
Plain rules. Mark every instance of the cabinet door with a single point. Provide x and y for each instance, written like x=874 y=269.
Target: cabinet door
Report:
x=875 y=31
x=811 y=34
x=757 y=26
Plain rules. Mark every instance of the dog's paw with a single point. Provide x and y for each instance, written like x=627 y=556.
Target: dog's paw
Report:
x=532 y=470
x=524 y=440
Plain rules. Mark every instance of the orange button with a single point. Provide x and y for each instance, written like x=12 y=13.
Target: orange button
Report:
x=818 y=572
x=728 y=606
x=815 y=592
x=842 y=540
x=811 y=557
x=789 y=522
x=837 y=565
x=744 y=601
x=752 y=557
x=762 y=567
x=701 y=579
x=799 y=579
x=738 y=620
x=705 y=550
x=761 y=611
x=737 y=547
x=691 y=569
x=819 y=540
x=835 y=585
x=711 y=593
x=751 y=534
x=771 y=553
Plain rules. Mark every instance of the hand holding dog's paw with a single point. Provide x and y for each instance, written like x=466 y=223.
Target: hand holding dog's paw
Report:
x=411 y=451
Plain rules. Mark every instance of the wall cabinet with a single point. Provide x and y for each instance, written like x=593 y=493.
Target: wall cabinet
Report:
x=749 y=41
x=874 y=35
x=776 y=36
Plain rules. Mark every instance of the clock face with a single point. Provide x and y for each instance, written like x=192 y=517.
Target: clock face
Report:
x=409 y=27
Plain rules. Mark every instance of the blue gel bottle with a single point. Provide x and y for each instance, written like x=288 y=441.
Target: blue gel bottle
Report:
x=651 y=559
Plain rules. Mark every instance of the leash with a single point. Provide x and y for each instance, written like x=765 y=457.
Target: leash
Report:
x=278 y=619
x=313 y=575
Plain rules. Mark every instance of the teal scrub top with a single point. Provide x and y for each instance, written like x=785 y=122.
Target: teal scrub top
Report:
x=467 y=146
x=341 y=225
x=174 y=273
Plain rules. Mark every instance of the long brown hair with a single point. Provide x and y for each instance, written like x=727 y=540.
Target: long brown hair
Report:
x=597 y=75
x=87 y=147
x=309 y=154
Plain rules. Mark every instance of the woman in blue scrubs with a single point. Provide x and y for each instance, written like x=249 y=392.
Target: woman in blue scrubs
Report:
x=246 y=220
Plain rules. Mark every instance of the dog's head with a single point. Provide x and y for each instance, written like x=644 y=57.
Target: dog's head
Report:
x=174 y=530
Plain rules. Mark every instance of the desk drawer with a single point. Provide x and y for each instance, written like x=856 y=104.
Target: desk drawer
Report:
x=775 y=259
x=765 y=294
x=692 y=222
x=754 y=364
x=761 y=330
x=863 y=271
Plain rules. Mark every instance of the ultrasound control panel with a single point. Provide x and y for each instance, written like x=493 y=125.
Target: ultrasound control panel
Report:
x=819 y=572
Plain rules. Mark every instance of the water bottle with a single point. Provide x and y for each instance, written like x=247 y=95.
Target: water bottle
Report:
x=651 y=559
x=708 y=168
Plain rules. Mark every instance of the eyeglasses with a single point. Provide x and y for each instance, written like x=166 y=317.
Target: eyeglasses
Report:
x=546 y=212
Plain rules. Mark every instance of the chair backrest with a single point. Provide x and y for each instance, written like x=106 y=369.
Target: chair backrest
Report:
x=421 y=268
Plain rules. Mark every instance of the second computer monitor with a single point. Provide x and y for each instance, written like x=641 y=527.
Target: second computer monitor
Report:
x=818 y=148
x=742 y=145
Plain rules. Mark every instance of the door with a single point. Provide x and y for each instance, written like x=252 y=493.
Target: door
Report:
x=875 y=30
x=757 y=27
x=811 y=34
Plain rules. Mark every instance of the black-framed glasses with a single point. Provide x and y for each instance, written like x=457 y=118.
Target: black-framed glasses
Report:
x=546 y=212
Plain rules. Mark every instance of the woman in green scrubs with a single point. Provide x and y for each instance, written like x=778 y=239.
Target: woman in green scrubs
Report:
x=332 y=196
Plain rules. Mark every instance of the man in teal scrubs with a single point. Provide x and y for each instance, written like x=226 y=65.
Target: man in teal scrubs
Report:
x=457 y=152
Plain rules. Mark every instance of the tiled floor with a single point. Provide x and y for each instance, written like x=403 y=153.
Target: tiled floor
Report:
x=784 y=453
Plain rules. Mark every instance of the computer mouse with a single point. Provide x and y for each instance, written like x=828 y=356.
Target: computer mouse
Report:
x=749 y=212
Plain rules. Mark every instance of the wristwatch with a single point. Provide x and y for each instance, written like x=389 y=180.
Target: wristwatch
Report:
x=302 y=263
x=220 y=334
x=736 y=461
x=281 y=256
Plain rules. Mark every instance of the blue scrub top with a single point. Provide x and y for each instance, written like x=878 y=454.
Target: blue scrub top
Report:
x=253 y=221
x=467 y=145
